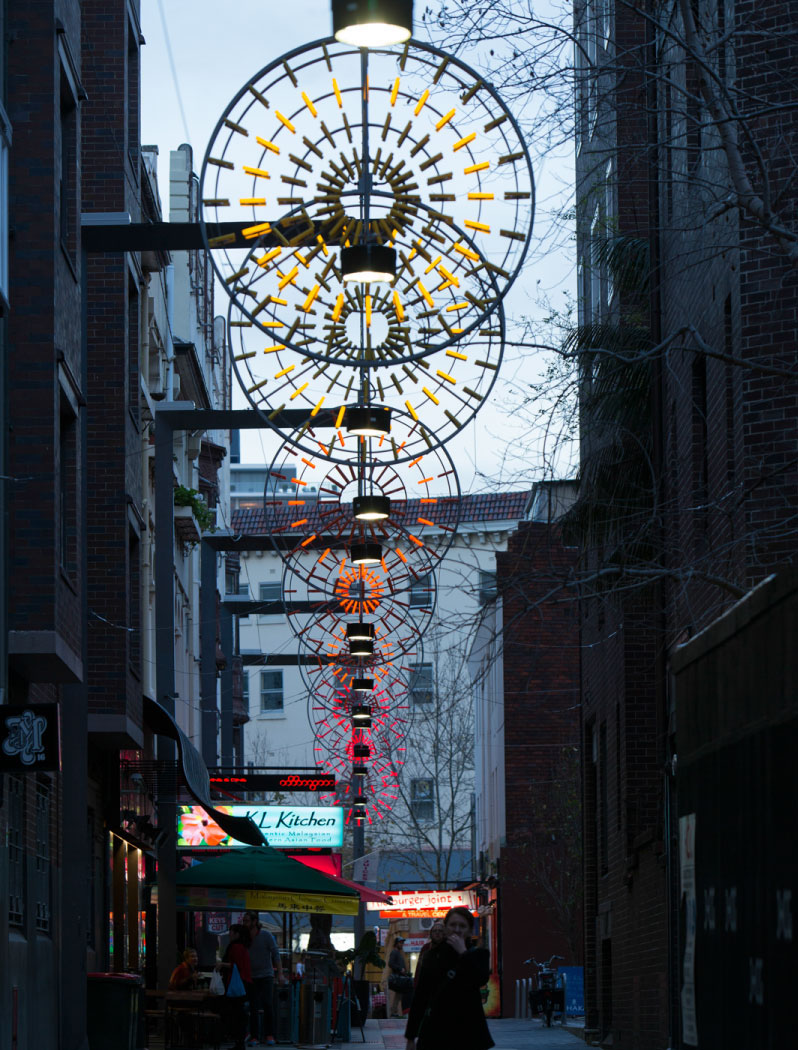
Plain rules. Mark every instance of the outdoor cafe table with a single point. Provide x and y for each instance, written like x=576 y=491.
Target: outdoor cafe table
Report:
x=195 y=1003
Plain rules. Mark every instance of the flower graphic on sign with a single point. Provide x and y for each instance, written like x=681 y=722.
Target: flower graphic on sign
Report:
x=195 y=828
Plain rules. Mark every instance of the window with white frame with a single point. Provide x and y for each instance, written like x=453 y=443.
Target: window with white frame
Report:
x=422 y=799
x=271 y=691
x=270 y=591
x=421 y=591
x=421 y=683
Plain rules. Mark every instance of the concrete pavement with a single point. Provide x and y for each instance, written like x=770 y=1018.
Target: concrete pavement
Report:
x=508 y=1034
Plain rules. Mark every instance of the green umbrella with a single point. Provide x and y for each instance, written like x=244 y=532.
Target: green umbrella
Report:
x=260 y=868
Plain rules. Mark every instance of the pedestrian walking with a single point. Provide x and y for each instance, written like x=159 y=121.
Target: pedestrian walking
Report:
x=265 y=962
x=446 y=1012
x=397 y=964
x=235 y=964
x=436 y=935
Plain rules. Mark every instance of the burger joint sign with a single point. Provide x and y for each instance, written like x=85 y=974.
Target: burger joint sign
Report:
x=411 y=905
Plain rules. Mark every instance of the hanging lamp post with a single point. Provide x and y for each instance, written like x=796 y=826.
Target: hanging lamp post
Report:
x=372 y=23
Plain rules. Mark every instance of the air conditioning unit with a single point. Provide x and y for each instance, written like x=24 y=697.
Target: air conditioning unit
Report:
x=426 y=922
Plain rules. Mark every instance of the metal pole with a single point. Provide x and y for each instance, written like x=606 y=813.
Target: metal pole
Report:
x=165 y=688
x=358 y=849
x=227 y=687
x=208 y=701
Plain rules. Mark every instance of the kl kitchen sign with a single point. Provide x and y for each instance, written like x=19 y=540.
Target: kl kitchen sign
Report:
x=284 y=827
x=29 y=738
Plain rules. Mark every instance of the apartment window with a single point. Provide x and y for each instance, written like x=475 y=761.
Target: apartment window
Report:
x=604 y=808
x=133 y=350
x=421 y=684
x=271 y=691
x=487 y=587
x=43 y=867
x=16 y=854
x=422 y=799
x=68 y=180
x=700 y=453
x=67 y=483
x=5 y=142
x=421 y=591
x=134 y=602
x=133 y=94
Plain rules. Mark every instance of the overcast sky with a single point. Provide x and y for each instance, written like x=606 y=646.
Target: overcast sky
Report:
x=215 y=48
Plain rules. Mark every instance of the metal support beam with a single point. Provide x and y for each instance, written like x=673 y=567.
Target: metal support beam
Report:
x=208 y=701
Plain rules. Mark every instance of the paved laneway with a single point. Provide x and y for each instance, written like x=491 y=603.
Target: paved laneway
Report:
x=508 y=1034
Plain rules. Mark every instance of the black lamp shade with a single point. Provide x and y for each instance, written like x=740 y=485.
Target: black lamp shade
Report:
x=361 y=715
x=359 y=812
x=359 y=770
x=371 y=507
x=360 y=632
x=368 y=420
x=362 y=647
x=361 y=751
x=366 y=553
x=363 y=685
x=368 y=263
x=372 y=23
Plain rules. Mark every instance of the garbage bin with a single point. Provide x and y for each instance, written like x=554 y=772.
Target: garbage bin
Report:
x=283 y=1007
x=113 y=1010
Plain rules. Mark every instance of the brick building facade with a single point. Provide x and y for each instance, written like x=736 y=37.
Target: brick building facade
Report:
x=688 y=309
x=525 y=665
x=86 y=356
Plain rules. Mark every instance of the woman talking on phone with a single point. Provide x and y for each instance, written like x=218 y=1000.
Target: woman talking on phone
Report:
x=446 y=1013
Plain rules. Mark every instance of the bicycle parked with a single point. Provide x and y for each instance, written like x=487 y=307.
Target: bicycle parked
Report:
x=548 y=998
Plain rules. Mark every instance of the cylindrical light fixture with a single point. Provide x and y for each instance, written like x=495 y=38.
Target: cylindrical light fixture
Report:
x=368 y=263
x=363 y=685
x=361 y=716
x=368 y=420
x=362 y=647
x=360 y=632
x=371 y=507
x=361 y=751
x=360 y=771
x=359 y=810
x=372 y=23
x=366 y=553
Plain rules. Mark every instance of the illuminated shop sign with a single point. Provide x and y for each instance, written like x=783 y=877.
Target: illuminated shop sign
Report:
x=424 y=902
x=273 y=781
x=285 y=827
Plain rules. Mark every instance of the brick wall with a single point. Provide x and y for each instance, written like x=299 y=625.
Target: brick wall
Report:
x=112 y=183
x=541 y=756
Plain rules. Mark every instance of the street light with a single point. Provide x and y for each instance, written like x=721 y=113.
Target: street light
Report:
x=362 y=647
x=371 y=507
x=360 y=632
x=368 y=420
x=372 y=23
x=369 y=263
x=366 y=553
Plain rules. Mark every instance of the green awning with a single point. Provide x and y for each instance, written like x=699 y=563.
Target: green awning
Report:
x=261 y=868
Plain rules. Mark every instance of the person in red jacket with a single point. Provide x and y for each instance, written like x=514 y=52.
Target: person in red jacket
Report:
x=237 y=954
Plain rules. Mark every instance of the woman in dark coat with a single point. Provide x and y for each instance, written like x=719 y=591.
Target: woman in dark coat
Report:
x=446 y=1013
